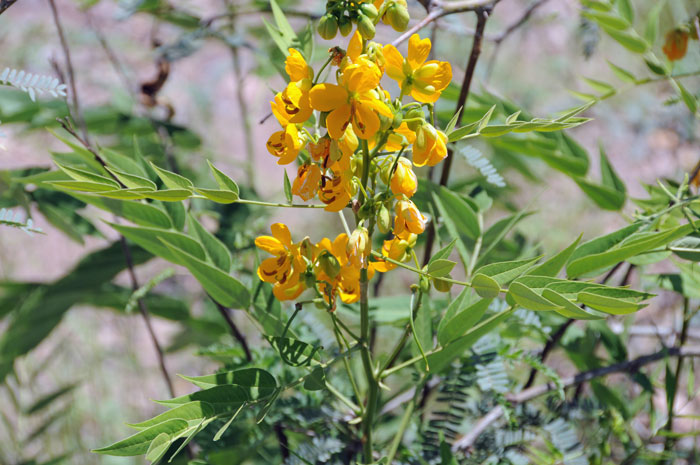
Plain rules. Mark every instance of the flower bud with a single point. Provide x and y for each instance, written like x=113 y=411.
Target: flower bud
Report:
x=306 y=249
x=424 y=284
x=369 y=10
x=404 y=180
x=415 y=113
x=384 y=219
x=398 y=119
x=397 y=17
x=365 y=26
x=385 y=123
x=328 y=26
x=329 y=264
x=345 y=26
x=359 y=246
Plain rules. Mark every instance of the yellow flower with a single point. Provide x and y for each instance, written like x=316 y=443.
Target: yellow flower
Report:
x=423 y=81
x=346 y=283
x=400 y=137
x=320 y=150
x=342 y=149
x=404 y=180
x=335 y=192
x=292 y=105
x=430 y=146
x=285 y=268
x=396 y=249
x=285 y=144
x=354 y=101
x=307 y=181
x=408 y=219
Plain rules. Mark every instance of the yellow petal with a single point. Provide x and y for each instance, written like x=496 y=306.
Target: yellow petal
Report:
x=355 y=47
x=376 y=105
x=296 y=67
x=418 y=51
x=327 y=97
x=363 y=78
x=270 y=245
x=338 y=120
x=365 y=121
x=394 y=63
x=281 y=232
x=267 y=271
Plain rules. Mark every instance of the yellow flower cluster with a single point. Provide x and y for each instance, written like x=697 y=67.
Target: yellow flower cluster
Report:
x=363 y=125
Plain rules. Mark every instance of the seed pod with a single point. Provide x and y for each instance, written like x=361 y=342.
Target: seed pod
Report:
x=365 y=26
x=369 y=10
x=344 y=25
x=328 y=26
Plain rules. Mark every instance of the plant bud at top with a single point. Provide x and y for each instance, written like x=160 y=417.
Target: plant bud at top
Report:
x=384 y=219
x=328 y=26
x=369 y=10
x=329 y=264
x=345 y=26
x=397 y=17
x=359 y=247
x=365 y=26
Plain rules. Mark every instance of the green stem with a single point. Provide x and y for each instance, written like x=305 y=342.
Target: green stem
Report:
x=477 y=247
x=420 y=272
x=372 y=387
x=405 y=421
x=356 y=409
x=318 y=75
x=365 y=170
x=272 y=204
x=339 y=337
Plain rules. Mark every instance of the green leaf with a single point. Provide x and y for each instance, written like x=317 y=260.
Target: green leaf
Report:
x=603 y=243
x=687 y=248
x=316 y=380
x=604 y=197
x=87 y=176
x=190 y=411
x=655 y=66
x=485 y=286
x=688 y=98
x=177 y=213
x=440 y=359
x=608 y=176
x=567 y=308
x=607 y=20
x=158 y=447
x=218 y=196
x=257 y=382
x=82 y=186
x=140 y=213
x=596 y=299
x=293 y=351
x=48 y=399
x=626 y=10
x=456 y=210
x=224 y=182
x=217 y=252
x=224 y=398
x=630 y=40
x=440 y=267
x=553 y=266
x=173 y=180
x=651 y=30
x=622 y=74
x=527 y=298
x=221 y=286
x=462 y=322
x=600 y=86
x=139 y=443
x=152 y=239
x=132 y=180
x=287 y=188
x=443 y=253
x=169 y=195
x=505 y=272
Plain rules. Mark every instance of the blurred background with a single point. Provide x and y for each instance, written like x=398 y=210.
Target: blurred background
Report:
x=211 y=79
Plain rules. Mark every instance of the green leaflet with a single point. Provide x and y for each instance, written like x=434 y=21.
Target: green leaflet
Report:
x=221 y=286
x=504 y=272
x=139 y=443
x=258 y=383
x=485 y=286
x=173 y=180
x=140 y=213
x=154 y=240
x=553 y=266
x=293 y=351
x=225 y=183
x=462 y=322
x=217 y=252
x=224 y=398
x=191 y=411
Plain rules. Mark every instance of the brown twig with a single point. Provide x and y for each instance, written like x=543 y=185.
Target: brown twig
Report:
x=629 y=366
x=69 y=67
x=234 y=329
x=5 y=4
x=482 y=15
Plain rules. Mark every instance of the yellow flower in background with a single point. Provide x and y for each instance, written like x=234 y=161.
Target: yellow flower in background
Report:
x=307 y=181
x=430 y=146
x=409 y=220
x=396 y=249
x=285 y=144
x=335 y=192
x=404 y=180
x=284 y=269
x=423 y=81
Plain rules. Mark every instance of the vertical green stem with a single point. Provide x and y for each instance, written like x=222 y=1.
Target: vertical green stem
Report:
x=372 y=387
x=405 y=421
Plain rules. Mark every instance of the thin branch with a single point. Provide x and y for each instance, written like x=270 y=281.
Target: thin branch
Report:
x=69 y=68
x=518 y=23
x=5 y=4
x=629 y=366
x=234 y=329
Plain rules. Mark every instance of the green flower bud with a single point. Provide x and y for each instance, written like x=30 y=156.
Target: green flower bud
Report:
x=345 y=26
x=369 y=10
x=328 y=26
x=415 y=113
x=397 y=16
x=329 y=264
x=365 y=26
x=385 y=123
x=398 y=119
x=424 y=284
x=384 y=219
